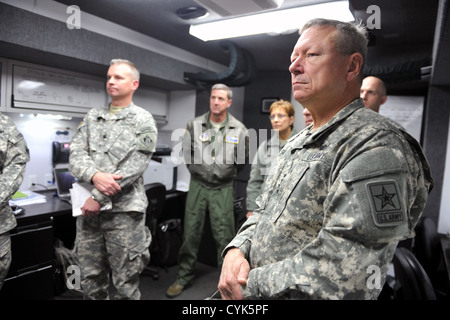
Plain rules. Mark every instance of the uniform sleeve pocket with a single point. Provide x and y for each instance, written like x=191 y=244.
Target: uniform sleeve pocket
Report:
x=378 y=193
x=372 y=164
x=146 y=136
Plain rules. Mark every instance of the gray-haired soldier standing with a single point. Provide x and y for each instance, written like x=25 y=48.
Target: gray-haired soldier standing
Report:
x=14 y=155
x=345 y=191
x=111 y=149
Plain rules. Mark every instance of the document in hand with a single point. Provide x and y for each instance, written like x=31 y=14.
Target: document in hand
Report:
x=79 y=193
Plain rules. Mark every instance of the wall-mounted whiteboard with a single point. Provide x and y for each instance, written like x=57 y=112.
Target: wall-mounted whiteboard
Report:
x=39 y=87
x=407 y=111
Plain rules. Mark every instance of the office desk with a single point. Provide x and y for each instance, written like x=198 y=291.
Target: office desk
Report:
x=31 y=273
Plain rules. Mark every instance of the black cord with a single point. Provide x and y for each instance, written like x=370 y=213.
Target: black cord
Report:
x=41 y=185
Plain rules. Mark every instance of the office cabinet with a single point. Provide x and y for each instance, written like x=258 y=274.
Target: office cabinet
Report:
x=30 y=275
x=44 y=89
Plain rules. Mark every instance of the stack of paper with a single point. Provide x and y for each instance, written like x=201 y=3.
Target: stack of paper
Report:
x=25 y=198
x=79 y=193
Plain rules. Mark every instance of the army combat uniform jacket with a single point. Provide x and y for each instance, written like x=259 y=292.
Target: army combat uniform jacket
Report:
x=334 y=209
x=263 y=160
x=120 y=143
x=14 y=155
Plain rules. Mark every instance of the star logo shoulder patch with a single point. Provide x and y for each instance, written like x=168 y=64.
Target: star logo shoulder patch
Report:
x=385 y=203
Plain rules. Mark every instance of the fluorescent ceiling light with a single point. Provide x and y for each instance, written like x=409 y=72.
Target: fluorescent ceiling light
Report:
x=280 y=21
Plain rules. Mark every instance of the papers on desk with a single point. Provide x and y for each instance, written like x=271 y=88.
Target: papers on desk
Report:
x=79 y=193
x=182 y=186
x=25 y=198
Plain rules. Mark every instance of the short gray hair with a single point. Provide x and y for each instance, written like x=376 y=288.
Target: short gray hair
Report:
x=350 y=38
x=221 y=86
x=133 y=69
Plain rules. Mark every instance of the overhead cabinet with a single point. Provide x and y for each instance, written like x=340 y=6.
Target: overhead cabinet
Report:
x=36 y=88
x=42 y=88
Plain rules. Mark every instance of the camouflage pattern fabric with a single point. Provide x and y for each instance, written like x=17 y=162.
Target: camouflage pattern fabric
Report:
x=120 y=250
x=114 y=241
x=120 y=143
x=5 y=256
x=14 y=155
x=334 y=209
x=263 y=160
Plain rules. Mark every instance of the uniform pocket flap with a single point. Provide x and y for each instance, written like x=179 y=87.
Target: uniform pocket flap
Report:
x=141 y=247
x=374 y=163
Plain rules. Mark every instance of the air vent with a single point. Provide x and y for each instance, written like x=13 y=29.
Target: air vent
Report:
x=226 y=8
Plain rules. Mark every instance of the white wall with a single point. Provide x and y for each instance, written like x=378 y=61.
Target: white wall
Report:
x=405 y=110
x=39 y=133
x=182 y=109
x=444 y=215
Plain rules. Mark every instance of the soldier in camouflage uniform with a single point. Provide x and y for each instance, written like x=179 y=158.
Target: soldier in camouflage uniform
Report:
x=215 y=149
x=345 y=191
x=282 y=114
x=14 y=155
x=111 y=149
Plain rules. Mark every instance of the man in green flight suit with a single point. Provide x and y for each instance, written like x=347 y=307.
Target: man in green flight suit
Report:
x=215 y=149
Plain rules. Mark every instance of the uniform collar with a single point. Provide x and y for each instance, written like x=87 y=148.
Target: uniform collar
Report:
x=343 y=114
x=104 y=112
x=230 y=121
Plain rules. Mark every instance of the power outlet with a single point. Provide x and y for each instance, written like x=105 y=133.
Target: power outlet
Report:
x=48 y=179
x=31 y=181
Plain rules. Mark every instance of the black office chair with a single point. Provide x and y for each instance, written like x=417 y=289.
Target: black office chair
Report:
x=427 y=246
x=411 y=280
x=156 y=195
x=428 y=250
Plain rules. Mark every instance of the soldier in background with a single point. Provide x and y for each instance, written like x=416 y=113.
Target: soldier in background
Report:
x=111 y=149
x=373 y=93
x=345 y=191
x=14 y=155
x=282 y=114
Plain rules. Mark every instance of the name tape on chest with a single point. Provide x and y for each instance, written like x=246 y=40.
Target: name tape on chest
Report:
x=232 y=139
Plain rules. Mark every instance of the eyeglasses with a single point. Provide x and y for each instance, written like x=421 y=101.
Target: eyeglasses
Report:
x=280 y=116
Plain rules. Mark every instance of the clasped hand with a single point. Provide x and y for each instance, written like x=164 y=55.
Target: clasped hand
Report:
x=106 y=184
x=234 y=275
